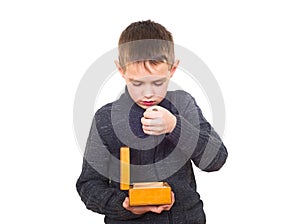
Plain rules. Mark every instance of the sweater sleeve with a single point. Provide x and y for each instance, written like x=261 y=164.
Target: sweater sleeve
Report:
x=93 y=186
x=197 y=138
x=99 y=197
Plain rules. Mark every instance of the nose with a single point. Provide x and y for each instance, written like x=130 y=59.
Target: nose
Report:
x=148 y=92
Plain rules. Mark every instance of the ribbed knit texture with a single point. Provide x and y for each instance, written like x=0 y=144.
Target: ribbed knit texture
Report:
x=193 y=139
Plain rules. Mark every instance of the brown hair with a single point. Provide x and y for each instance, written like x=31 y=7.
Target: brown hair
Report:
x=146 y=41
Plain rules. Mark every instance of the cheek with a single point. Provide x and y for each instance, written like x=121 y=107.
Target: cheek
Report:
x=134 y=93
x=161 y=91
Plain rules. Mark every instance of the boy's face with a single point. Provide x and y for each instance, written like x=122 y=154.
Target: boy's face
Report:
x=147 y=84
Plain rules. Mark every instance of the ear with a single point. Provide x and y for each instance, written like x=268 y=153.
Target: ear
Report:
x=174 y=67
x=120 y=69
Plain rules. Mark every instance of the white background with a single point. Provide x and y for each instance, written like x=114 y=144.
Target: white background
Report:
x=251 y=47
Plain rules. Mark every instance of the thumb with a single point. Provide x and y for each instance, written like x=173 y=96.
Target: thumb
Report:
x=126 y=202
x=153 y=108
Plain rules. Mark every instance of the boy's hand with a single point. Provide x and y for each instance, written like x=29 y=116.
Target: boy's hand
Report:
x=158 y=120
x=139 y=210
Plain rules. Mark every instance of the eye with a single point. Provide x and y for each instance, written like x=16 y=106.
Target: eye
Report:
x=136 y=83
x=158 y=83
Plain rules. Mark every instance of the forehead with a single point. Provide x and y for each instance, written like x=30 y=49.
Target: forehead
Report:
x=142 y=69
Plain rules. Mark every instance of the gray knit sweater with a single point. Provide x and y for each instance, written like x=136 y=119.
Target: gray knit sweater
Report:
x=153 y=158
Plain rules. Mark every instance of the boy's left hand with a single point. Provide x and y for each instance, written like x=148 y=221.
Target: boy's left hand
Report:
x=139 y=210
x=158 y=120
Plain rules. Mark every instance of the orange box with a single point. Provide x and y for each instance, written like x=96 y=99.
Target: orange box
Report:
x=147 y=193
x=150 y=193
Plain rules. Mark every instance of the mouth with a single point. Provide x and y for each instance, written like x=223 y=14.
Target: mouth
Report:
x=148 y=103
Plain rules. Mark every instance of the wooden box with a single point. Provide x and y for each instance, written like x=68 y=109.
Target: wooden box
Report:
x=140 y=194
x=151 y=193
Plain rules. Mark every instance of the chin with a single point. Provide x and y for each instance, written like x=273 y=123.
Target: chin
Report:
x=143 y=106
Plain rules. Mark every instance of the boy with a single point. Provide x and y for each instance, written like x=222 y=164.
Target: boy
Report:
x=165 y=131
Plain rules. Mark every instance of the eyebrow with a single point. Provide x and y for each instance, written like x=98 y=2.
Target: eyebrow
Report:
x=133 y=80
x=157 y=80
x=160 y=80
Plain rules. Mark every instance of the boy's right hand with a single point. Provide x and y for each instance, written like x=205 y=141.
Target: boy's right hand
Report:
x=139 y=210
x=158 y=120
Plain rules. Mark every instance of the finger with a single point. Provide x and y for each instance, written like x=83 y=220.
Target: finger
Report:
x=126 y=203
x=154 y=125
x=167 y=207
x=173 y=197
x=148 y=121
x=150 y=131
x=152 y=112
x=153 y=108
x=156 y=209
x=156 y=128
x=144 y=121
x=146 y=128
x=148 y=114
